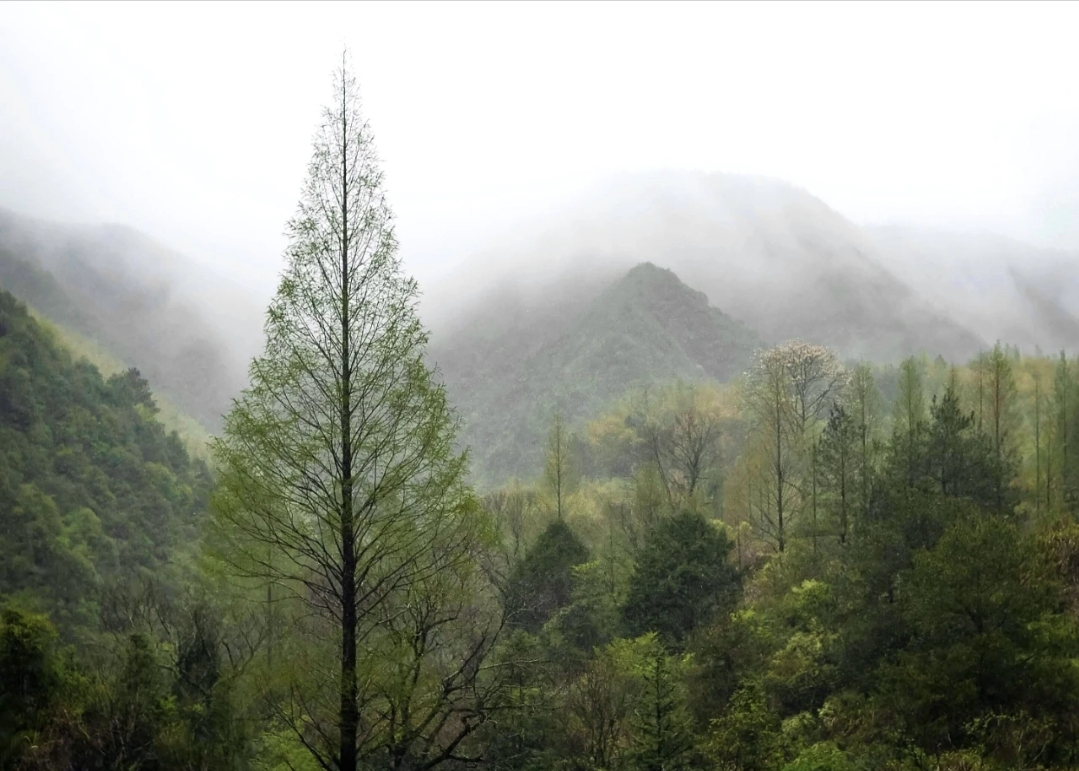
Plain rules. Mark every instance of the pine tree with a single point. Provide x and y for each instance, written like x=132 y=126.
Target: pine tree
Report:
x=865 y=405
x=1002 y=420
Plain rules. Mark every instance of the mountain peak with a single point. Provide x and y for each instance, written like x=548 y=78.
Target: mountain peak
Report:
x=649 y=269
x=649 y=272
x=647 y=327
x=650 y=280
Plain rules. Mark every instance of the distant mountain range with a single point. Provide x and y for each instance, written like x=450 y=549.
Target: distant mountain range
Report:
x=768 y=253
x=569 y=311
x=1004 y=289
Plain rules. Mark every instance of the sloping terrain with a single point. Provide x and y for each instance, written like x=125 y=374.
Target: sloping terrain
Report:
x=508 y=379
x=549 y=319
x=91 y=485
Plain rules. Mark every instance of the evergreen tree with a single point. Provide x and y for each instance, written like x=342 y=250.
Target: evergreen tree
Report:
x=663 y=735
x=1065 y=432
x=1002 y=419
x=908 y=422
x=543 y=581
x=682 y=578
x=961 y=459
x=865 y=407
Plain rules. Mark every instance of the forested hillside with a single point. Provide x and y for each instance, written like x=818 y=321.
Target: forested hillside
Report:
x=101 y=512
x=831 y=568
x=647 y=327
x=93 y=491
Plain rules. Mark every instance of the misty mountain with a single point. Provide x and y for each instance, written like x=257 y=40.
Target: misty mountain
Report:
x=512 y=366
x=1005 y=289
x=188 y=333
x=545 y=317
x=768 y=253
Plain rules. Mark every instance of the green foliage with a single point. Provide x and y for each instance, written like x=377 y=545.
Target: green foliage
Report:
x=824 y=756
x=662 y=726
x=340 y=487
x=976 y=604
x=560 y=468
x=95 y=286
x=543 y=581
x=192 y=433
x=747 y=736
x=592 y=618
x=802 y=670
x=683 y=578
x=92 y=488
x=926 y=622
x=958 y=457
x=840 y=468
x=726 y=654
x=137 y=707
x=1065 y=436
x=906 y=595
x=29 y=680
x=625 y=709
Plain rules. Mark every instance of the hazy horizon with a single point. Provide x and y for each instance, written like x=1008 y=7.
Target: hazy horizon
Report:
x=946 y=116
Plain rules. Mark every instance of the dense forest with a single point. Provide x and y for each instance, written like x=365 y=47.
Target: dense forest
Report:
x=819 y=564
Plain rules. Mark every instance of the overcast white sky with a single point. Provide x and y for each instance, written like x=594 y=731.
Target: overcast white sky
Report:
x=192 y=121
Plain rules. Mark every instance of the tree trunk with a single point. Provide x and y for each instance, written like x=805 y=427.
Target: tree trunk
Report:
x=349 y=718
x=779 y=473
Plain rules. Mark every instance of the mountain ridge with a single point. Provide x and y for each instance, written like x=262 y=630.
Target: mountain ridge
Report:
x=769 y=254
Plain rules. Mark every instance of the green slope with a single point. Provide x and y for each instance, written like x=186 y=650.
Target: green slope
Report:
x=92 y=487
x=648 y=327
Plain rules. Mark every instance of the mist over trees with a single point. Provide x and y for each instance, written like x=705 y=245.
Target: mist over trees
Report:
x=690 y=548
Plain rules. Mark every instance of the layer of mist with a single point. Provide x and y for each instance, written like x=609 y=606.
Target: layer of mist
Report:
x=766 y=253
x=190 y=334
